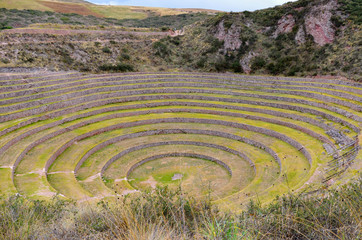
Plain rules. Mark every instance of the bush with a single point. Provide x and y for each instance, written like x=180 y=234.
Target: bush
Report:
x=293 y=70
x=106 y=50
x=124 y=56
x=172 y=214
x=337 y=21
x=221 y=65
x=65 y=19
x=201 y=62
x=67 y=59
x=353 y=8
x=4 y=26
x=257 y=63
x=236 y=67
x=165 y=29
x=5 y=60
x=215 y=44
x=160 y=48
x=121 y=67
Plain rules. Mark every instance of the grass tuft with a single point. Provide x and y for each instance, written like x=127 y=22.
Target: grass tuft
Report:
x=171 y=214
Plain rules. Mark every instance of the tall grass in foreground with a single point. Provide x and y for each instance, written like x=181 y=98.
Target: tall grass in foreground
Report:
x=166 y=214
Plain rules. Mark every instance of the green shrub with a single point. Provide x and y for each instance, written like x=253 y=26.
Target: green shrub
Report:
x=164 y=29
x=257 y=63
x=67 y=59
x=201 y=62
x=353 y=8
x=293 y=70
x=172 y=214
x=160 y=48
x=5 y=60
x=337 y=21
x=221 y=65
x=124 y=56
x=106 y=50
x=236 y=67
x=215 y=44
x=4 y=25
x=186 y=57
x=120 y=67
x=65 y=19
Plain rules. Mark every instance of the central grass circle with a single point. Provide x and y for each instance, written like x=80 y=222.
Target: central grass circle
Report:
x=196 y=175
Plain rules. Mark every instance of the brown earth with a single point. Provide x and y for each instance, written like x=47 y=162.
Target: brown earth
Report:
x=70 y=8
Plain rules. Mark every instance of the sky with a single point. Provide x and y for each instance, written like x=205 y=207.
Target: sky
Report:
x=223 y=5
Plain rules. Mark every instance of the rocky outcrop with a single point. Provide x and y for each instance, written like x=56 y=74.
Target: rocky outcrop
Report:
x=245 y=62
x=300 y=36
x=318 y=23
x=231 y=36
x=285 y=25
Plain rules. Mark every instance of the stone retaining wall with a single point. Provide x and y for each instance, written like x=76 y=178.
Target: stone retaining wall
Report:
x=119 y=115
x=268 y=132
x=171 y=88
x=178 y=131
x=226 y=76
x=19 y=78
x=56 y=106
x=152 y=133
x=193 y=155
x=164 y=97
x=182 y=120
x=73 y=84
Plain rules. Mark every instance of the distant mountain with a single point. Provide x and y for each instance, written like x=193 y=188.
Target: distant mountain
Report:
x=86 y=8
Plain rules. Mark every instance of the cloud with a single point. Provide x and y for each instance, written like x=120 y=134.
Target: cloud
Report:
x=224 y=5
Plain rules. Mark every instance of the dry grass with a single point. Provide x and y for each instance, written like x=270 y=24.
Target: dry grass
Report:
x=60 y=7
x=82 y=8
x=165 y=214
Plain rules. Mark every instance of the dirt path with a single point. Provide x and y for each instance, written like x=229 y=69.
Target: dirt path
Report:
x=49 y=173
x=91 y=178
x=150 y=181
x=39 y=172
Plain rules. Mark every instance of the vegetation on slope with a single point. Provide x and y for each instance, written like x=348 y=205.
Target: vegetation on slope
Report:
x=22 y=18
x=85 y=8
x=79 y=51
x=284 y=40
x=260 y=42
x=169 y=21
x=165 y=214
x=353 y=8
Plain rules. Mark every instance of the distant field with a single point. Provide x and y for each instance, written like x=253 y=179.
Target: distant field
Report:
x=24 y=4
x=117 y=12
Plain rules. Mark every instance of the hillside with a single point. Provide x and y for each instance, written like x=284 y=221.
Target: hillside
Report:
x=13 y=18
x=300 y=38
x=303 y=38
x=148 y=124
x=103 y=11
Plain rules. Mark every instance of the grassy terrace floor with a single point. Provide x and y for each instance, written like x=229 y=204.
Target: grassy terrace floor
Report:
x=78 y=135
